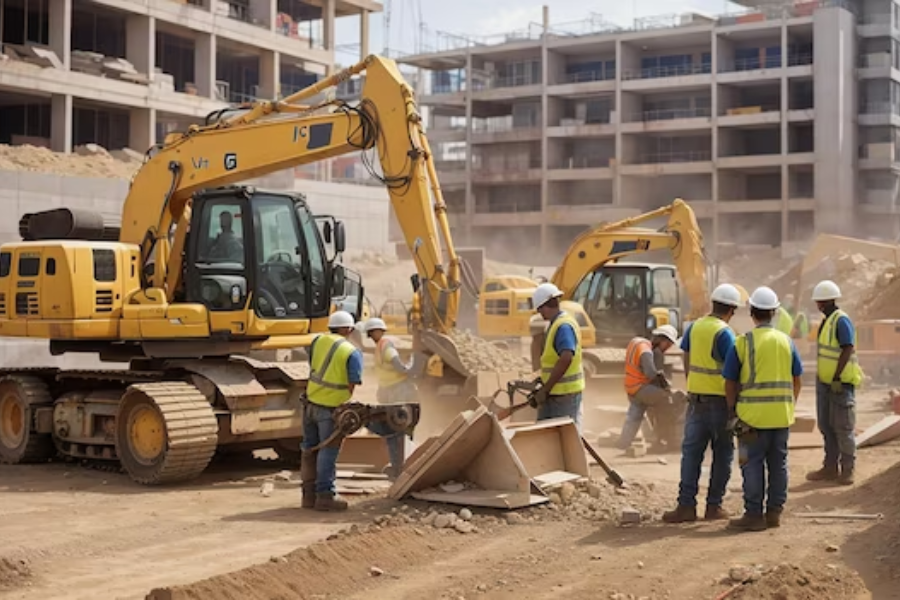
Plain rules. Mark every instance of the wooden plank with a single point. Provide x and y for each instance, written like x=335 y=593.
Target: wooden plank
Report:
x=556 y=478
x=347 y=474
x=551 y=445
x=885 y=430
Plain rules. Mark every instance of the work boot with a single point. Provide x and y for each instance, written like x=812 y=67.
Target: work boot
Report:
x=308 y=474
x=846 y=476
x=330 y=502
x=682 y=514
x=715 y=513
x=773 y=517
x=823 y=474
x=748 y=522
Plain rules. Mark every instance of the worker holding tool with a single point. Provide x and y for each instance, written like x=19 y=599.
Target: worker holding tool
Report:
x=706 y=343
x=561 y=371
x=838 y=376
x=395 y=386
x=645 y=381
x=762 y=382
x=335 y=370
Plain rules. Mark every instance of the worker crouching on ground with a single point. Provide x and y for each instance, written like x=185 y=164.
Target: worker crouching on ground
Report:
x=395 y=386
x=561 y=371
x=838 y=376
x=762 y=382
x=645 y=381
x=706 y=344
x=335 y=370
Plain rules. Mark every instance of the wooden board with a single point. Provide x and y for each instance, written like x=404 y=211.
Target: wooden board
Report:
x=556 y=478
x=885 y=430
x=548 y=446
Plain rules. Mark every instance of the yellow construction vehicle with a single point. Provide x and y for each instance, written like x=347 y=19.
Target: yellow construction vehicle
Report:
x=199 y=274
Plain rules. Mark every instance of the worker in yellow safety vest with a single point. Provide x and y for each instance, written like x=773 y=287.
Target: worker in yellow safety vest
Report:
x=645 y=381
x=395 y=386
x=762 y=382
x=336 y=368
x=838 y=377
x=561 y=369
x=705 y=344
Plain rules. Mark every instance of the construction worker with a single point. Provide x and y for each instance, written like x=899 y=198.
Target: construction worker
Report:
x=645 y=381
x=705 y=344
x=395 y=386
x=783 y=321
x=762 y=382
x=335 y=370
x=838 y=376
x=561 y=371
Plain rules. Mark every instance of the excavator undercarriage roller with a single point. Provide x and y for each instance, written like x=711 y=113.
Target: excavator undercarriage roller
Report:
x=20 y=397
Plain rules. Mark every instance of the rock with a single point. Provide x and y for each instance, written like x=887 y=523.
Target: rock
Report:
x=567 y=492
x=640 y=564
x=481 y=587
x=267 y=488
x=463 y=526
x=445 y=520
x=283 y=476
x=375 y=571
x=629 y=515
x=514 y=518
x=278 y=559
x=452 y=487
x=555 y=498
x=593 y=490
x=465 y=514
x=596 y=557
x=429 y=518
x=636 y=451
x=661 y=460
x=739 y=573
x=831 y=548
x=621 y=491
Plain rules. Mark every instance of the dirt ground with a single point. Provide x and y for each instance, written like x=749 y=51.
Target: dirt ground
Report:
x=70 y=532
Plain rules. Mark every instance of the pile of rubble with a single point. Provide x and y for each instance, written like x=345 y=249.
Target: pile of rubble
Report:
x=13 y=573
x=89 y=160
x=793 y=581
x=478 y=354
x=883 y=301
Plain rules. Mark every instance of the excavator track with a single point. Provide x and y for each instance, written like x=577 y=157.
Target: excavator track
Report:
x=20 y=395
x=166 y=432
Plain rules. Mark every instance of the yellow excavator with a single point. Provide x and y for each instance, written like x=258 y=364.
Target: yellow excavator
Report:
x=200 y=274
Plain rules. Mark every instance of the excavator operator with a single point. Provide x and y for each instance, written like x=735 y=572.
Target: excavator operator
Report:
x=562 y=375
x=227 y=247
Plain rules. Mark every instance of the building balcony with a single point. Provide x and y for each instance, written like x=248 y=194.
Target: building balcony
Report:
x=875 y=66
x=588 y=82
x=504 y=133
x=879 y=156
x=749 y=161
x=447 y=134
x=668 y=120
x=879 y=113
x=670 y=163
x=666 y=77
x=510 y=171
x=876 y=25
x=879 y=202
x=749 y=115
x=581 y=168
x=558 y=214
x=799 y=115
x=569 y=128
x=451 y=172
x=506 y=214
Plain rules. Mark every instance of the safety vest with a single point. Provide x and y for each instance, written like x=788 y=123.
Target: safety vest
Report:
x=572 y=380
x=705 y=374
x=801 y=326
x=387 y=374
x=783 y=321
x=635 y=378
x=766 y=400
x=329 y=381
x=830 y=352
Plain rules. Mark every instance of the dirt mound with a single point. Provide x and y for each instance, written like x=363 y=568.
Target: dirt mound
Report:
x=95 y=163
x=478 y=354
x=884 y=300
x=793 y=582
x=13 y=573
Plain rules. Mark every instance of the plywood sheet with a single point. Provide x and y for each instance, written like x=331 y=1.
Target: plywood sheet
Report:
x=547 y=446
x=365 y=449
x=885 y=430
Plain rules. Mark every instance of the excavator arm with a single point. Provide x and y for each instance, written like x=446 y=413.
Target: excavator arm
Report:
x=609 y=242
x=270 y=136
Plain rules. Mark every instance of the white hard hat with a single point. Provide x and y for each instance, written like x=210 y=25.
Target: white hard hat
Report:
x=667 y=331
x=728 y=295
x=340 y=318
x=826 y=290
x=375 y=323
x=543 y=293
x=764 y=298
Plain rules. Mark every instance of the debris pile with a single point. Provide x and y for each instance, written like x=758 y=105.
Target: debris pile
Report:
x=87 y=161
x=883 y=302
x=478 y=354
x=793 y=582
x=13 y=573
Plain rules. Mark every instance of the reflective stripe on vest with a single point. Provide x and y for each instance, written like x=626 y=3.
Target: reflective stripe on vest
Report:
x=329 y=381
x=829 y=351
x=766 y=399
x=572 y=380
x=705 y=374
x=635 y=378
x=387 y=374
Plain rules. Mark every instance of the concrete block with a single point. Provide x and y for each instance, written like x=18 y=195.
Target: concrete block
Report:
x=630 y=516
x=43 y=183
x=636 y=451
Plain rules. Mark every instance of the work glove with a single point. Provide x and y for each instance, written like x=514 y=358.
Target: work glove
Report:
x=837 y=387
x=661 y=381
x=538 y=397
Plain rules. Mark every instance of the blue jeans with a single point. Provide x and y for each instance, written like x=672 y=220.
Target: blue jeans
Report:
x=767 y=451
x=705 y=425
x=568 y=405
x=836 y=416
x=394 y=440
x=318 y=425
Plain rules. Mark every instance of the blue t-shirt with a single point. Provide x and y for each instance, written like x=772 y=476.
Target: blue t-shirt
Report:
x=565 y=338
x=354 y=363
x=732 y=369
x=723 y=342
x=845 y=332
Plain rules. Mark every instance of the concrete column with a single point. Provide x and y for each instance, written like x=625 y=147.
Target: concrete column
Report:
x=269 y=74
x=142 y=128
x=205 y=64
x=60 y=26
x=364 y=34
x=328 y=24
x=61 y=123
x=470 y=154
x=262 y=12
x=785 y=141
x=835 y=124
x=140 y=42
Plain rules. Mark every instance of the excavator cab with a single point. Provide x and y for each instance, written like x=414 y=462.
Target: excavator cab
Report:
x=628 y=299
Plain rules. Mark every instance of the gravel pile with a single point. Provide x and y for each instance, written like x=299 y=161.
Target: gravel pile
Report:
x=478 y=354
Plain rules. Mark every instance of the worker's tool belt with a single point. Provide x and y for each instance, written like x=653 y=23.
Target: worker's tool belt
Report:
x=744 y=432
x=705 y=399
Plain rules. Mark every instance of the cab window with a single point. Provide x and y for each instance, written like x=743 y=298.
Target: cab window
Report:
x=664 y=288
x=222 y=234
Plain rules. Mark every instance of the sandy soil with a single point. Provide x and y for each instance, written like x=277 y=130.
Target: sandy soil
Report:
x=70 y=532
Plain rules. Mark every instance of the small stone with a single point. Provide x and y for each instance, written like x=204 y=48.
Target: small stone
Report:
x=375 y=571
x=593 y=490
x=636 y=451
x=596 y=557
x=465 y=514
x=445 y=520
x=267 y=488
x=278 y=559
x=629 y=515
x=463 y=526
x=640 y=564
x=481 y=587
x=621 y=491
x=739 y=573
x=283 y=476
x=555 y=498
x=429 y=518
x=567 y=492
x=831 y=548
x=514 y=518
x=661 y=460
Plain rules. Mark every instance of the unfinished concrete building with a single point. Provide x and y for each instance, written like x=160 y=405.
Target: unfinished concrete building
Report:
x=123 y=73
x=775 y=123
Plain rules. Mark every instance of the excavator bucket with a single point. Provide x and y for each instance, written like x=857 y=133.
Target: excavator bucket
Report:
x=445 y=348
